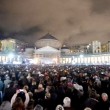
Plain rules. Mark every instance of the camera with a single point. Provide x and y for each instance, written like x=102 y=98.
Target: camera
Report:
x=21 y=90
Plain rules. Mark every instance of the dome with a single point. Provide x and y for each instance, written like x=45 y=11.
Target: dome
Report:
x=65 y=49
x=48 y=40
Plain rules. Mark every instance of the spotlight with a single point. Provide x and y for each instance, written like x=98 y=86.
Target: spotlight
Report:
x=11 y=55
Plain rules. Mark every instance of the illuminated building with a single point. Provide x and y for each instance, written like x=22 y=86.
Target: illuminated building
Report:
x=108 y=46
x=104 y=48
x=65 y=50
x=11 y=50
x=28 y=53
x=12 y=45
x=8 y=45
x=47 y=51
x=47 y=55
x=79 y=49
x=96 y=47
x=48 y=40
x=86 y=59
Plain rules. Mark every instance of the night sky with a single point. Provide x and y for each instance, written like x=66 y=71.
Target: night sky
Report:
x=70 y=21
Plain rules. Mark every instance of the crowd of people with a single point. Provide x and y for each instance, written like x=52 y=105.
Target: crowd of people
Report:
x=49 y=87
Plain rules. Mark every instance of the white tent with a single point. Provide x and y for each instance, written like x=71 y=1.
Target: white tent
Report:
x=46 y=50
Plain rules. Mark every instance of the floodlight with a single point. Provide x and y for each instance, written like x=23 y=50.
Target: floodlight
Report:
x=81 y=56
x=11 y=55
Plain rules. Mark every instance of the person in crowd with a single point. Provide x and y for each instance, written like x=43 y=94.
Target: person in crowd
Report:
x=48 y=85
x=6 y=105
x=7 y=81
x=1 y=85
x=92 y=101
x=104 y=103
x=18 y=104
x=38 y=107
x=47 y=101
x=33 y=85
x=26 y=88
x=9 y=92
x=39 y=95
x=30 y=95
x=67 y=103
x=1 y=90
x=59 y=107
x=30 y=105
x=87 y=108
x=23 y=95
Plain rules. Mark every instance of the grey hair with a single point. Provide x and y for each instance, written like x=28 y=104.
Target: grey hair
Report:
x=87 y=108
x=38 y=107
x=104 y=94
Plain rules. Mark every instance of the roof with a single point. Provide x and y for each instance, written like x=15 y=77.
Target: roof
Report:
x=48 y=36
x=64 y=48
x=47 y=49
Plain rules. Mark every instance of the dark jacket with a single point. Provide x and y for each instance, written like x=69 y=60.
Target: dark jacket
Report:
x=1 y=85
x=39 y=97
x=9 y=92
x=103 y=105
x=91 y=103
